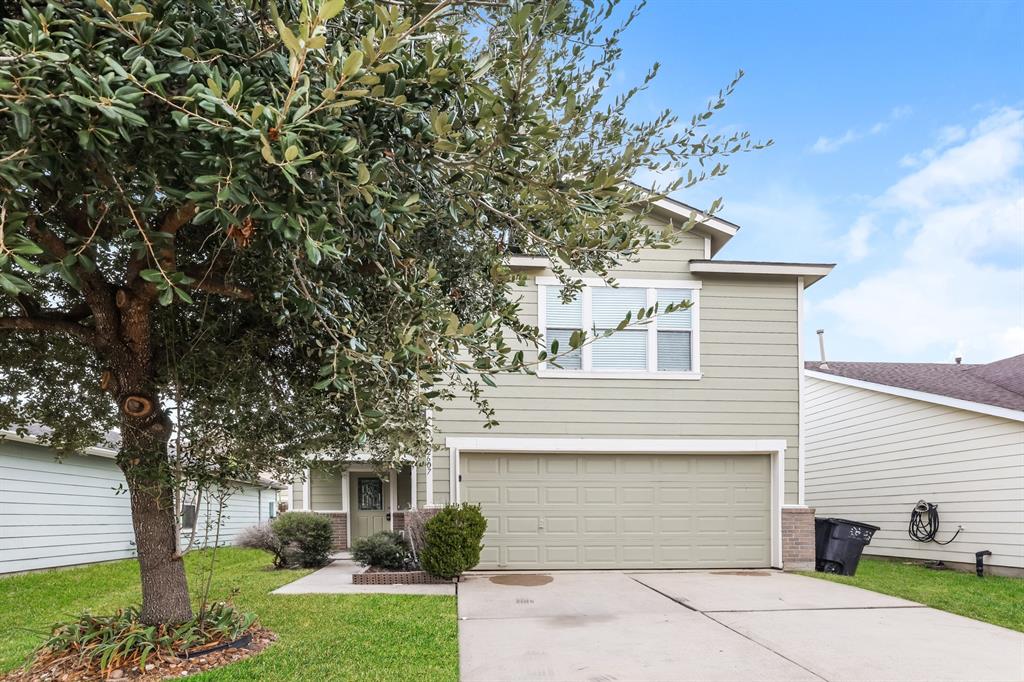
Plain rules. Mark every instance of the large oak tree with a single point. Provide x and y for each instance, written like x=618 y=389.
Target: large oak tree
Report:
x=241 y=234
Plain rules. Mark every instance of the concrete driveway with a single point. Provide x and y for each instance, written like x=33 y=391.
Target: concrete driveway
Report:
x=722 y=625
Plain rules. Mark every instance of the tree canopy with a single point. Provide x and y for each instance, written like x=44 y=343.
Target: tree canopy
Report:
x=282 y=230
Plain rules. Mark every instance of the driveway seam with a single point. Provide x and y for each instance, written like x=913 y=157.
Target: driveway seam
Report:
x=744 y=636
x=764 y=646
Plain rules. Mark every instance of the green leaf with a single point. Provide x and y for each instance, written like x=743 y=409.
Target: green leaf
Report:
x=54 y=56
x=152 y=275
x=330 y=9
x=312 y=251
x=352 y=63
x=288 y=38
x=166 y=296
x=291 y=153
x=105 y=6
x=183 y=295
x=134 y=17
x=363 y=174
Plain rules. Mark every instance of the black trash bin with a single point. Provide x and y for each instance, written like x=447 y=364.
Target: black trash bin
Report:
x=838 y=544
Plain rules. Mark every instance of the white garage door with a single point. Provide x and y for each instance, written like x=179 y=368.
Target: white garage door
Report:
x=549 y=511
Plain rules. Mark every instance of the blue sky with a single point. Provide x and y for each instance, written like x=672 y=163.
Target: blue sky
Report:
x=899 y=155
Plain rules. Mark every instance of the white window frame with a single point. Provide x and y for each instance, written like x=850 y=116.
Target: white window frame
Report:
x=651 y=285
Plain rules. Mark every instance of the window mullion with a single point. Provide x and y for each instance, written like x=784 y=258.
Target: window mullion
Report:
x=587 y=325
x=652 y=333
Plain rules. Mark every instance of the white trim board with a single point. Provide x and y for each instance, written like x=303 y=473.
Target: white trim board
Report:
x=800 y=394
x=776 y=448
x=969 y=405
x=810 y=272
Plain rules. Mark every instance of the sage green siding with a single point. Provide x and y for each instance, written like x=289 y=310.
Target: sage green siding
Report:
x=871 y=456
x=325 y=490
x=749 y=390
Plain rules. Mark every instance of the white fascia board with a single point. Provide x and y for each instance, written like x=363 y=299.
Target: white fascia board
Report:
x=702 y=219
x=525 y=262
x=969 y=405
x=810 y=273
x=34 y=440
x=627 y=283
x=615 y=445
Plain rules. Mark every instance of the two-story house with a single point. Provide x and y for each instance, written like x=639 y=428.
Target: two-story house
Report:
x=677 y=444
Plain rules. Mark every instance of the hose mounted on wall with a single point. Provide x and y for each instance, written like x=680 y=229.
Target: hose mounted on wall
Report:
x=924 y=523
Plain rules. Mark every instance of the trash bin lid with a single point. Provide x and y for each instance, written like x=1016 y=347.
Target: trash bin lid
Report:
x=854 y=523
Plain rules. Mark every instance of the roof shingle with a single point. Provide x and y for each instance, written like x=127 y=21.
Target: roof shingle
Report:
x=999 y=383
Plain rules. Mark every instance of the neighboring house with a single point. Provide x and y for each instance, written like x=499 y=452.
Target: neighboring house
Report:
x=675 y=445
x=883 y=435
x=70 y=511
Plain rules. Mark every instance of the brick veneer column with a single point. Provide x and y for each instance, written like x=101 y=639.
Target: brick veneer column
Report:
x=798 y=539
x=339 y=529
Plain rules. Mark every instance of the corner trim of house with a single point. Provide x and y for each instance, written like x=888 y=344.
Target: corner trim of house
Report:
x=305 y=491
x=774 y=447
x=969 y=405
x=800 y=440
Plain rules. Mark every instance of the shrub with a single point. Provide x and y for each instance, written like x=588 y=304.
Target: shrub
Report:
x=104 y=643
x=453 y=540
x=306 y=536
x=264 y=538
x=382 y=550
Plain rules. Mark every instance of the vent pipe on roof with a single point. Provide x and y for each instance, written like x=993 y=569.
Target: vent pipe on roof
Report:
x=958 y=359
x=821 y=346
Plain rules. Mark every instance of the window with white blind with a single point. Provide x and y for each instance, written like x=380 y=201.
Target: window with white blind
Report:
x=665 y=347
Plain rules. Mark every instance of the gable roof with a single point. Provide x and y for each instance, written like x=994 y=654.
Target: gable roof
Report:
x=997 y=384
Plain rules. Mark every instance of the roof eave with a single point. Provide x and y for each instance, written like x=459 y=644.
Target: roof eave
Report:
x=810 y=272
x=717 y=230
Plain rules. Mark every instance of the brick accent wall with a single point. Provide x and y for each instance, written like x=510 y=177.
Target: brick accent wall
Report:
x=398 y=518
x=339 y=529
x=798 y=539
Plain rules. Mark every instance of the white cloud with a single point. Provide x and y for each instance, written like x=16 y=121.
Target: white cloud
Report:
x=959 y=283
x=856 y=240
x=827 y=145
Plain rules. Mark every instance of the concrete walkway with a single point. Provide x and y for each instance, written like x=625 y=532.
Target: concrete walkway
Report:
x=725 y=625
x=336 y=578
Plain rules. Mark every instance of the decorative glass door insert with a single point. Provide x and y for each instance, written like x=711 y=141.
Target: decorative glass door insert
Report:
x=371 y=494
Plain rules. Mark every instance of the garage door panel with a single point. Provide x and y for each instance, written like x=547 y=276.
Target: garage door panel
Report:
x=628 y=511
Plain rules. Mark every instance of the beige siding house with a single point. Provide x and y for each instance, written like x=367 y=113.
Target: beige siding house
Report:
x=675 y=444
x=883 y=436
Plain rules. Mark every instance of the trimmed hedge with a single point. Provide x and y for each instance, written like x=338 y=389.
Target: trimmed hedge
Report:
x=453 y=540
x=382 y=550
x=307 y=535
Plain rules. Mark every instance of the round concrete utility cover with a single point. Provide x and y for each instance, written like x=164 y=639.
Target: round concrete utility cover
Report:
x=522 y=580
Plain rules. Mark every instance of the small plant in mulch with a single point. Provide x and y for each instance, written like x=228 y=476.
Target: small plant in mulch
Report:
x=122 y=647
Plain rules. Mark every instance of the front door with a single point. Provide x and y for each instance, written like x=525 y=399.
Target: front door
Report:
x=370 y=511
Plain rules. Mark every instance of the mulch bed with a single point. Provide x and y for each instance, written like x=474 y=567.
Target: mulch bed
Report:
x=50 y=668
x=383 y=576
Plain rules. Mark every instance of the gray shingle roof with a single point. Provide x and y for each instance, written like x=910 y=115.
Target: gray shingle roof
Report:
x=999 y=383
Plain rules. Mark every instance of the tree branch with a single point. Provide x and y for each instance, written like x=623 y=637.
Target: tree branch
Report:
x=212 y=285
x=48 y=326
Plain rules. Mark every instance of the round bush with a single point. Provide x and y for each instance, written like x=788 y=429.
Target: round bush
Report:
x=453 y=540
x=307 y=534
x=382 y=550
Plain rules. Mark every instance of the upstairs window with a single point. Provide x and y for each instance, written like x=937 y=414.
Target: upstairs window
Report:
x=665 y=347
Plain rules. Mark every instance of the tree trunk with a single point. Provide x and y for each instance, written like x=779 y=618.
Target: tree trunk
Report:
x=143 y=458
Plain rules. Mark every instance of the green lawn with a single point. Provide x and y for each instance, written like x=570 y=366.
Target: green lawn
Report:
x=991 y=599
x=321 y=637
